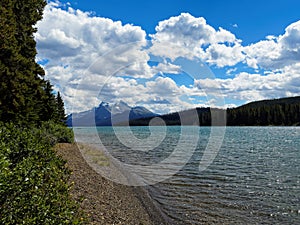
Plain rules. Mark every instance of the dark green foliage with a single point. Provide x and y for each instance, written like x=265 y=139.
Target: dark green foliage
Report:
x=25 y=97
x=53 y=106
x=48 y=111
x=61 y=115
x=33 y=180
x=20 y=76
x=277 y=112
x=56 y=133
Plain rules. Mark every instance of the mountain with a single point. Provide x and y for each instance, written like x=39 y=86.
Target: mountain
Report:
x=275 y=112
x=107 y=114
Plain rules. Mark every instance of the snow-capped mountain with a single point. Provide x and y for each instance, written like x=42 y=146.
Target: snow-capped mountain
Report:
x=107 y=114
x=119 y=107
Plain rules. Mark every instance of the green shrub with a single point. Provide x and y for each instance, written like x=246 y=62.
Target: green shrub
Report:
x=33 y=180
x=56 y=133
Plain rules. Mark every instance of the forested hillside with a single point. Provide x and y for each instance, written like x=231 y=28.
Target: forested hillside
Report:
x=280 y=112
x=276 y=112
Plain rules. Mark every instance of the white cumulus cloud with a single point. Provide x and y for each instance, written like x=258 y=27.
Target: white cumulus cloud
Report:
x=276 y=52
x=91 y=59
x=189 y=36
x=81 y=48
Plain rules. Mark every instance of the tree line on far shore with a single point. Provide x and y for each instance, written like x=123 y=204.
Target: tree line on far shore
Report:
x=276 y=112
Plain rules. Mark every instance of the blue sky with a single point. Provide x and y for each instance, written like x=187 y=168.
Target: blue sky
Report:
x=255 y=19
x=236 y=52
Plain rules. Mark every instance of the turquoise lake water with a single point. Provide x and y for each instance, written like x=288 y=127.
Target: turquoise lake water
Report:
x=254 y=178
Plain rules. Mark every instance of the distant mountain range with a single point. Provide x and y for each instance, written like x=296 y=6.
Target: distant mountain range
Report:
x=275 y=112
x=107 y=114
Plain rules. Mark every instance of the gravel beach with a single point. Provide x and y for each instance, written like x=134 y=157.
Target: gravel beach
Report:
x=103 y=201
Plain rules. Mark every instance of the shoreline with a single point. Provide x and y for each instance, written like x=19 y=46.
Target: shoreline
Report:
x=102 y=200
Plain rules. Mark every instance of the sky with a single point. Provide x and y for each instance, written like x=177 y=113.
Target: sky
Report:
x=170 y=55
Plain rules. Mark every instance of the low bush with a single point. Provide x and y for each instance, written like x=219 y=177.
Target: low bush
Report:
x=33 y=180
x=56 y=133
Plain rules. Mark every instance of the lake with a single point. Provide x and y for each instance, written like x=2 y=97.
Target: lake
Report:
x=253 y=178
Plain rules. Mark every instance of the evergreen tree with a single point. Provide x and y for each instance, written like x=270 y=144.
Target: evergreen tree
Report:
x=24 y=95
x=60 y=109
x=49 y=110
